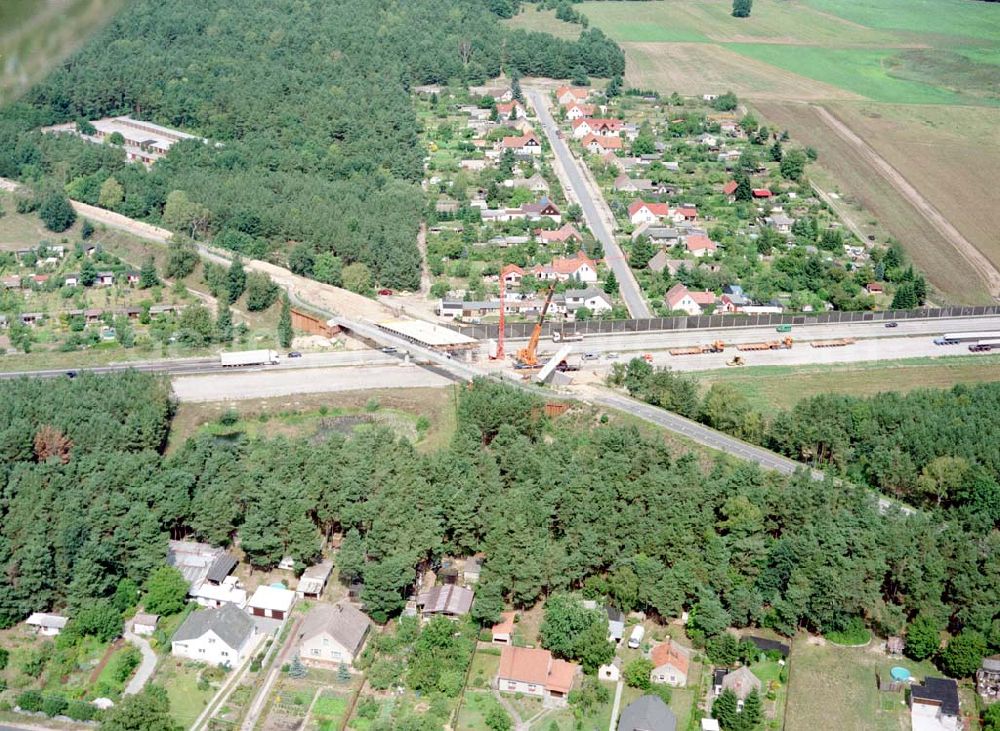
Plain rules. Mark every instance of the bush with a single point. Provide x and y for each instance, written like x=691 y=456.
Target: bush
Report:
x=31 y=701
x=4 y=657
x=852 y=633
x=54 y=705
x=56 y=212
x=80 y=711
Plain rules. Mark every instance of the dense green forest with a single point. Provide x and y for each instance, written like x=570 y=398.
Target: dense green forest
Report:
x=307 y=100
x=553 y=505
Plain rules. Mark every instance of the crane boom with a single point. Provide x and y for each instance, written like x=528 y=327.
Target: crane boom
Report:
x=527 y=356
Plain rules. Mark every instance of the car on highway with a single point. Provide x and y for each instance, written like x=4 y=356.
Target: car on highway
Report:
x=295 y=354
x=591 y=356
x=385 y=292
x=892 y=324
x=389 y=350
x=612 y=355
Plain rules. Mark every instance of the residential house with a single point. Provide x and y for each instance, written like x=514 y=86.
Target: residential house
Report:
x=988 y=678
x=700 y=246
x=663 y=236
x=145 y=624
x=223 y=636
x=592 y=298
x=729 y=190
x=641 y=212
x=648 y=713
x=274 y=602
x=467 y=309
x=616 y=624
x=526 y=144
x=230 y=591
x=742 y=682
x=46 y=624
x=132 y=278
x=599 y=127
x=934 y=705
x=611 y=672
x=104 y=279
x=679 y=297
x=535 y=672
x=625 y=184
x=734 y=302
x=761 y=193
x=577 y=110
x=544 y=208
x=780 y=223
x=536 y=183
x=875 y=288
x=503 y=632
x=730 y=157
x=661 y=261
x=567 y=95
x=561 y=235
x=11 y=282
x=449 y=600
x=709 y=140
x=601 y=144
x=511 y=110
x=332 y=634
x=512 y=275
x=72 y=280
x=670 y=664
x=685 y=213
x=313 y=580
x=718 y=675
x=581 y=268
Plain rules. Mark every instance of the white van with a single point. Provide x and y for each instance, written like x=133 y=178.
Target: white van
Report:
x=635 y=638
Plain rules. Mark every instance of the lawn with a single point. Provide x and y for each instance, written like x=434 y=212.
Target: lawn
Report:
x=475 y=705
x=934 y=18
x=485 y=664
x=328 y=711
x=543 y=21
x=780 y=387
x=834 y=687
x=187 y=699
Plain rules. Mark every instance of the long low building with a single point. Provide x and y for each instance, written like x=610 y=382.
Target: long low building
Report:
x=144 y=142
x=429 y=335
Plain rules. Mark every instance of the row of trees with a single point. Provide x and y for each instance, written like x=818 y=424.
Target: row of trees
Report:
x=604 y=511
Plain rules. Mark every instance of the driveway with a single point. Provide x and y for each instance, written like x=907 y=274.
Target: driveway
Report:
x=146 y=667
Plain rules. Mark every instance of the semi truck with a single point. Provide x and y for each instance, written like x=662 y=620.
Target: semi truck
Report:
x=248 y=358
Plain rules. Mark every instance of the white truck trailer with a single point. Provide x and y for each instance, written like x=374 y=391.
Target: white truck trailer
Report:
x=248 y=358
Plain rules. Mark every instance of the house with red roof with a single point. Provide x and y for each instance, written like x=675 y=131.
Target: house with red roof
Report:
x=561 y=235
x=576 y=111
x=729 y=190
x=512 y=109
x=599 y=145
x=700 y=245
x=580 y=268
x=684 y=213
x=591 y=126
x=535 y=672
x=544 y=208
x=761 y=193
x=567 y=95
x=528 y=143
x=503 y=632
x=670 y=664
x=512 y=275
x=679 y=297
x=641 y=212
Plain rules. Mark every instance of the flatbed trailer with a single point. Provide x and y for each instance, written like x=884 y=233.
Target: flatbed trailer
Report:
x=839 y=342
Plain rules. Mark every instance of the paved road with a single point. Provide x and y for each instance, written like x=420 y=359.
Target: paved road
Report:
x=628 y=287
x=148 y=665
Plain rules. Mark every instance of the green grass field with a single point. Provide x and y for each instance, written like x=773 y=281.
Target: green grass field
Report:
x=780 y=387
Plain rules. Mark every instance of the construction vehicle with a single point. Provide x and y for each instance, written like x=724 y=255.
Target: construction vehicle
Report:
x=716 y=347
x=736 y=361
x=527 y=357
x=783 y=344
x=832 y=343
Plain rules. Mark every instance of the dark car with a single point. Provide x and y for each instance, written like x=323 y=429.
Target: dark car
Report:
x=71 y=374
x=385 y=292
x=892 y=324
x=295 y=354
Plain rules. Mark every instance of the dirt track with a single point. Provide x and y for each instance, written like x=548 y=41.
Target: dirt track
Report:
x=934 y=217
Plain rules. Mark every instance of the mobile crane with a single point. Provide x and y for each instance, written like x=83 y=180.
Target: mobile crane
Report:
x=527 y=357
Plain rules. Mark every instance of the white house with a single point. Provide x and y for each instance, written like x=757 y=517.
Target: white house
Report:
x=229 y=591
x=332 y=634
x=612 y=671
x=679 y=298
x=592 y=298
x=640 y=212
x=271 y=601
x=47 y=624
x=223 y=636
x=581 y=268
x=502 y=633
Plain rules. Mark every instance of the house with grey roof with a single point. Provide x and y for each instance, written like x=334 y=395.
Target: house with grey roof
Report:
x=449 y=599
x=332 y=634
x=222 y=636
x=648 y=713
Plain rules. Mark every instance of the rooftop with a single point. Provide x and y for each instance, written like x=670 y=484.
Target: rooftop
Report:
x=343 y=622
x=273 y=598
x=427 y=334
x=937 y=691
x=648 y=713
x=232 y=625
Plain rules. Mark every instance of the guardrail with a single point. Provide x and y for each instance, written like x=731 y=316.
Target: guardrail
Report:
x=701 y=322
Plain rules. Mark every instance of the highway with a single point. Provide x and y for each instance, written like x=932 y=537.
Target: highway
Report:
x=627 y=285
